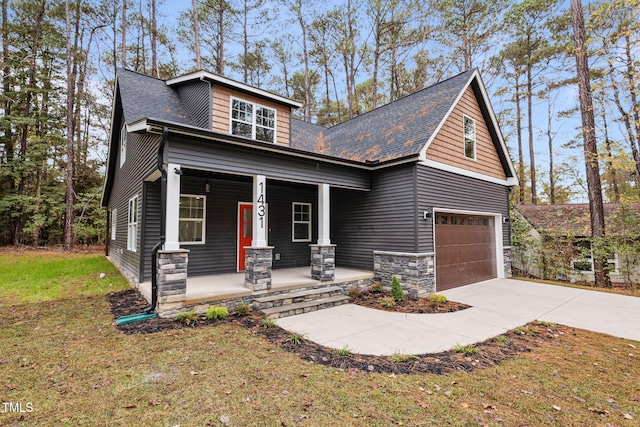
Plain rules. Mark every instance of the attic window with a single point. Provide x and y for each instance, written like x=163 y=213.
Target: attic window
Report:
x=469 y=137
x=253 y=121
x=123 y=145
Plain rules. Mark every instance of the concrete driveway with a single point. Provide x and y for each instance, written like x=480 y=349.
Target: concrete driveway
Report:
x=498 y=305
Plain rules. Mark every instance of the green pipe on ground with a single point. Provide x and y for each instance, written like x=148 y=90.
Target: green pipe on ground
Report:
x=134 y=318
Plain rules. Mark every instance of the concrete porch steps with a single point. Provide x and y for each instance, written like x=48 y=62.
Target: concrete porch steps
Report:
x=298 y=302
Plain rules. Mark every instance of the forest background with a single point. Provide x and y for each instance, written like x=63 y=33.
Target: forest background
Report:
x=339 y=58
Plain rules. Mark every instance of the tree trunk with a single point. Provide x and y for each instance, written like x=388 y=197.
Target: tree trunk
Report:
x=552 y=179
x=305 y=54
x=519 y=132
x=154 y=41
x=70 y=194
x=220 y=59
x=532 y=156
x=7 y=137
x=123 y=57
x=196 y=30
x=590 y=148
x=632 y=82
x=610 y=168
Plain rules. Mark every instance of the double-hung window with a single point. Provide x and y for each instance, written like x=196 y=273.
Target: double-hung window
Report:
x=114 y=223
x=192 y=215
x=301 y=222
x=132 y=224
x=469 y=137
x=123 y=145
x=253 y=121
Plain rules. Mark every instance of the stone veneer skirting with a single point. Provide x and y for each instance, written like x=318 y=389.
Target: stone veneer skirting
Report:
x=506 y=256
x=323 y=262
x=171 y=277
x=258 y=265
x=414 y=271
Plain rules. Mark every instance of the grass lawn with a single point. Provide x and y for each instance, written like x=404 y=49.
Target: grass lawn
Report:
x=62 y=354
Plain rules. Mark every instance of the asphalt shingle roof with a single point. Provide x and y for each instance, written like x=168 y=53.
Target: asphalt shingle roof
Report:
x=147 y=97
x=395 y=130
x=568 y=219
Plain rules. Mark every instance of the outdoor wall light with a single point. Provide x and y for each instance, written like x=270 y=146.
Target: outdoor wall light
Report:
x=505 y=220
x=178 y=171
x=428 y=214
x=207 y=187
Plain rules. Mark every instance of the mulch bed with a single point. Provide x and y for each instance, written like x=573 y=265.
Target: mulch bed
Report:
x=408 y=305
x=489 y=353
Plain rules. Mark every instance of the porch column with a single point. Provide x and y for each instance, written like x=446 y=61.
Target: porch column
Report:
x=323 y=255
x=259 y=257
x=324 y=215
x=171 y=242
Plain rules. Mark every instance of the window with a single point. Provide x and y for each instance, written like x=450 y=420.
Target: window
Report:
x=192 y=215
x=301 y=222
x=253 y=121
x=469 y=138
x=584 y=262
x=123 y=145
x=132 y=225
x=114 y=223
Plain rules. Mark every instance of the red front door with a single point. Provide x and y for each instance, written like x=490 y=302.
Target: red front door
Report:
x=245 y=234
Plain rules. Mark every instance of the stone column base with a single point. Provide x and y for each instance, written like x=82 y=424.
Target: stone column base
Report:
x=323 y=262
x=172 y=278
x=414 y=271
x=258 y=264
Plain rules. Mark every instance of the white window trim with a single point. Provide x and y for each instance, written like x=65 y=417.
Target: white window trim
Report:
x=465 y=136
x=294 y=222
x=123 y=145
x=114 y=223
x=254 y=115
x=132 y=225
x=589 y=260
x=203 y=220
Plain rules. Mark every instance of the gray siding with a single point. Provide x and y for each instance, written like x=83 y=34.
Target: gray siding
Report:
x=142 y=152
x=382 y=219
x=280 y=199
x=218 y=254
x=223 y=157
x=446 y=190
x=151 y=227
x=196 y=97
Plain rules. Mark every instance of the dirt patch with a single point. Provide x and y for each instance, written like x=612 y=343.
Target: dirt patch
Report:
x=408 y=305
x=487 y=353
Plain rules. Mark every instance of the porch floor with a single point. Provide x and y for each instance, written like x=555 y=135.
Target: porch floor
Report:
x=223 y=286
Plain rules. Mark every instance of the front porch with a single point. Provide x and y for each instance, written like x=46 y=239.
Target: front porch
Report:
x=229 y=289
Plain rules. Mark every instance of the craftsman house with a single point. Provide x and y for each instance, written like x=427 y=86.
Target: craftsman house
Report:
x=236 y=200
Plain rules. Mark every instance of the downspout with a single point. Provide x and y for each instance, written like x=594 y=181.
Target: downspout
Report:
x=163 y=201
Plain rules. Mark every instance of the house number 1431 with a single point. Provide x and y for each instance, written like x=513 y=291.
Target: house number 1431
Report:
x=261 y=205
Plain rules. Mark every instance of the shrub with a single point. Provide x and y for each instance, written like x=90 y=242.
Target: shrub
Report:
x=344 y=351
x=268 y=323
x=524 y=330
x=501 y=339
x=354 y=293
x=396 y=290
x=468 y=350
x=295 y=338
x=437 y=298
x=242 y=309
x=187 y=317
x=217 y=313
x=387 y=302
x=401 y=357
x=376 y=288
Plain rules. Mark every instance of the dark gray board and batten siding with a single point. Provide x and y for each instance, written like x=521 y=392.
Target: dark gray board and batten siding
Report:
x=222 y=157
x=447 y=190
x=382 y=219
x=196 y=97
x=142 y=151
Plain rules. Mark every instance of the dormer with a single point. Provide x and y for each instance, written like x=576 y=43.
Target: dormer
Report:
x=227 y=106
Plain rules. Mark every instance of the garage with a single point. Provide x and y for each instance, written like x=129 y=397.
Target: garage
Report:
x=465 y=249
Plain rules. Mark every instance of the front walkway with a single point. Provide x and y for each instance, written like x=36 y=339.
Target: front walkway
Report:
x=224 y=286
x=498 y=305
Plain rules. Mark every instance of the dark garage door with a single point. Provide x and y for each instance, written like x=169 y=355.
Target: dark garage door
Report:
x=465 y=249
